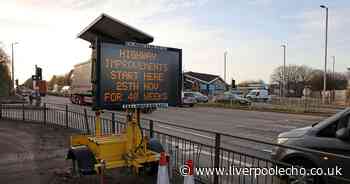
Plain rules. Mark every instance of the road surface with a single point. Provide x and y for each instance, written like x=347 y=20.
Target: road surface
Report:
x=257 y=125
x=251 y=124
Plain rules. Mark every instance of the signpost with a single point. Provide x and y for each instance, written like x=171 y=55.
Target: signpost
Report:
x=128 y=74
x=134 y=75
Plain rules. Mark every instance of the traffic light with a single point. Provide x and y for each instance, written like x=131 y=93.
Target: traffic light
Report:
x=38 y=73
x=233 y=84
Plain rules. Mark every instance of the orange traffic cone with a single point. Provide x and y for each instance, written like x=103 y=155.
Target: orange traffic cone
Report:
x=189 y=179
x=163 y=177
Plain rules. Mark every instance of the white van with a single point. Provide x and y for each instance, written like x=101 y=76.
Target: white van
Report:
x=258 y=95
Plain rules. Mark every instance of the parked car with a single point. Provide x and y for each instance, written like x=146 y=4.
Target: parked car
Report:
x=188 y=99
x=237 y=92
x=65 y=90
x=258 y=95
x=234 y=98
x=198 y=96
x=330 y=135
x=25 y=92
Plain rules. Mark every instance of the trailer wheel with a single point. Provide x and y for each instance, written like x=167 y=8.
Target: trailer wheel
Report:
x=83 y=160
x=151 y=168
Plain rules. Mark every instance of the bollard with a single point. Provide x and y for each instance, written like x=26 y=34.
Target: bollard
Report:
x=23 y=113
x=86 y=122
x=151 y=127
x=44 y=113
x=113 y=123
x=66 y=116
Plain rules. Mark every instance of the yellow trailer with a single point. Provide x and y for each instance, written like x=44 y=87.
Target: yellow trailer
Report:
x=93 y=153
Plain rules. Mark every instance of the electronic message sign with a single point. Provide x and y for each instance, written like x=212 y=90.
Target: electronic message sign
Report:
x=136 y=75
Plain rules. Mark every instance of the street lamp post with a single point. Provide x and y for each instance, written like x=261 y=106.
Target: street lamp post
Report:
x=225 y=54
x=13 y=66
x=333 y=78
x=333 y=72
x=325 y=55
x=284 y=71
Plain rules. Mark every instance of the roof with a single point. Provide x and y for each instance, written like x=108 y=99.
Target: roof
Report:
x=112 y=28
x=203 y=76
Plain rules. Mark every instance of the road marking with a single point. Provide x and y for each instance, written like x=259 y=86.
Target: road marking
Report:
x=196 y=150
x=267 y=150
x=200 y=135
x=187 y=132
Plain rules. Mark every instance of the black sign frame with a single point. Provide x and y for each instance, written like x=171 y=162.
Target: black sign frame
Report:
x=97 y=93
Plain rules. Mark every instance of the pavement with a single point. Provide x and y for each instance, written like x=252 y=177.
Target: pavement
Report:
x=34 y=154
x=11 y=99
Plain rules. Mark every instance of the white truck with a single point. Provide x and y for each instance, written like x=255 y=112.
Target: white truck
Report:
x=81 y=87
x=258 y=95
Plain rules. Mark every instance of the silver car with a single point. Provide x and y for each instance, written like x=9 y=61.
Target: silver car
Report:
x=188 y=99
x=230 y=97
x=200 y=98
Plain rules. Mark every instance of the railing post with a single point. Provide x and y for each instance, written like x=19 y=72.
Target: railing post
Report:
x=66 y=116
x=0 y=110
x=44 y=113
x=113 y=123
x=217 y=157
x=23 y=113
x=151 y=128
x=86 y=122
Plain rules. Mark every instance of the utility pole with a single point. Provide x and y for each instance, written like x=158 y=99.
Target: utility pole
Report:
x=284 y=71
x=225 y=54
x=325 y=56
x=333 y=72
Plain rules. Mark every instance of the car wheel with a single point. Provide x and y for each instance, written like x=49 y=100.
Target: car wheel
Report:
x=72 y=99
x=191 y=105
x=302 y=179
x=79 y=101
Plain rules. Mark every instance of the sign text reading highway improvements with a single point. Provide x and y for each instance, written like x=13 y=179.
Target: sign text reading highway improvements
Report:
x=137 y=75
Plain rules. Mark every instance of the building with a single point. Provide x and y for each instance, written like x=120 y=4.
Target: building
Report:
x=205 y=83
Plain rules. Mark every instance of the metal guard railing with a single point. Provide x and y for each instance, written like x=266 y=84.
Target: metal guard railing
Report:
x=206 y=148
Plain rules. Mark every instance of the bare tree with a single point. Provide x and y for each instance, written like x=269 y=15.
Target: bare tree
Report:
x=336 y=81
x=5 y=78
x=296 y=77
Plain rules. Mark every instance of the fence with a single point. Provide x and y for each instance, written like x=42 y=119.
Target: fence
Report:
x=208 y=149
x=307 y=104
x=298 y=104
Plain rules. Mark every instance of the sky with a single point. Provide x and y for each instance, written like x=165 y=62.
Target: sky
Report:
x=251 y=31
